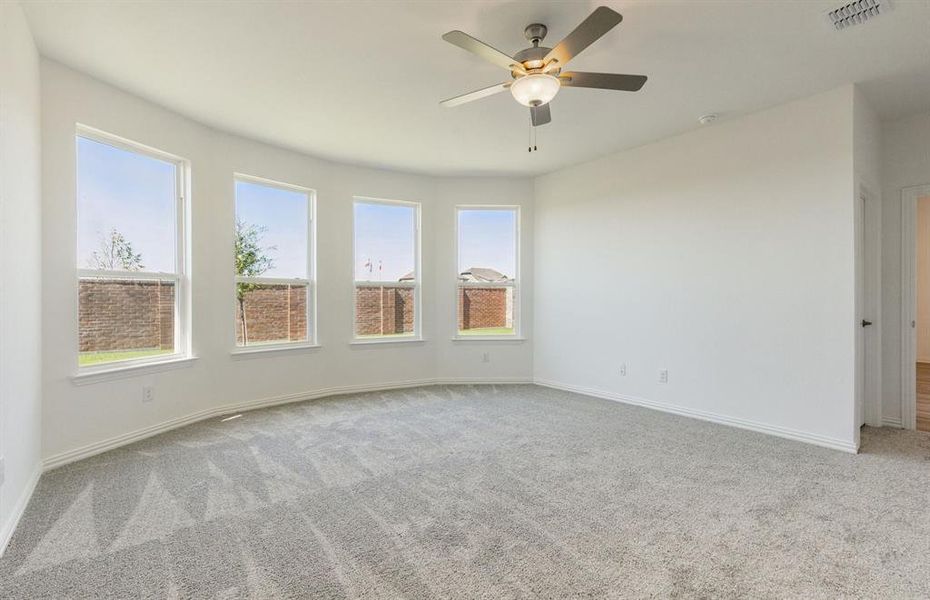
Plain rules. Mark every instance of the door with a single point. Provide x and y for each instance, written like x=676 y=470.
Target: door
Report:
x=868 y=306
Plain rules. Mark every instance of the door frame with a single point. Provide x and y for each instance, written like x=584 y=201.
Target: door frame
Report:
x=909 y=197
x=868 y=409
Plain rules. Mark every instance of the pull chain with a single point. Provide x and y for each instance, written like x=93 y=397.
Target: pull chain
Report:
x=531 y=137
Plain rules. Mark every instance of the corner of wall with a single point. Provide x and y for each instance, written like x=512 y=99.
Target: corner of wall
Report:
x=20 y=261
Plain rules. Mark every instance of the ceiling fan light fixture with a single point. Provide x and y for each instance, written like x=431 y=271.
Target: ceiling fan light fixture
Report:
x=535 y=89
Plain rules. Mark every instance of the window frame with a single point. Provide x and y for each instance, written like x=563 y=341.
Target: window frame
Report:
x=309 y=282
x=515 y=284
x=416 y=285
x=180 y=277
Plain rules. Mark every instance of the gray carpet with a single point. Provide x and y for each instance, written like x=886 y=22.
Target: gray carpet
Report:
x=477 y=492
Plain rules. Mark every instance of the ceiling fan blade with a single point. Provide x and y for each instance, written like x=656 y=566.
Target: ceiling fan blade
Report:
x=589 y=31
x=540 y=115
x=466 y=42
x=476 y=95
x=604 y=81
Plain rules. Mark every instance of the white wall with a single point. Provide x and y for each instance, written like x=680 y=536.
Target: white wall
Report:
x=20 y=265
x=725 y=255
x=79 y=416
x=905 y=163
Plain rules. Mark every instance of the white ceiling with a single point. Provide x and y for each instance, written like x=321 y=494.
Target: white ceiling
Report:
x=361 y=81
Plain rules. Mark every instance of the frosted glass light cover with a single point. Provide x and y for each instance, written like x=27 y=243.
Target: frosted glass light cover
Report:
x=535 y=89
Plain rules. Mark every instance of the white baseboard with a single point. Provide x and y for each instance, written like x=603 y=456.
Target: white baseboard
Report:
x=69 y=456
x=784 y=432
x=892 y=422
x=7 y=529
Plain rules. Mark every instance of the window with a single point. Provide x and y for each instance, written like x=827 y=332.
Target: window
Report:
x=274 y=264
x=131 y=253
x=487 y=273
x=387 y=279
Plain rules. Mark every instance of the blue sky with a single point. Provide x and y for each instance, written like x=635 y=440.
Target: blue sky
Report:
x=384 y=234
x=133 y=193
x=486 y=239
x=284 y=215
x=136 y=195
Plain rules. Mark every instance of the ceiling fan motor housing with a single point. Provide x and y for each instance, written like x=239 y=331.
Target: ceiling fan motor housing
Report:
x=531 y=58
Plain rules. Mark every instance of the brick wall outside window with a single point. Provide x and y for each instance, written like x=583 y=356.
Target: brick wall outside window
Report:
x=128 y=315
x=484 y=307
x=383 y=310
x=117 y=314
x=274 y=313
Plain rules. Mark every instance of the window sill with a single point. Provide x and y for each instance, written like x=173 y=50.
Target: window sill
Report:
x=260 y=351
x=379 y=341
x=108 y=373
x=488 y=338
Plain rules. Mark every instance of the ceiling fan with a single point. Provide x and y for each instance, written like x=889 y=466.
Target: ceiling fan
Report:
x=537 y=70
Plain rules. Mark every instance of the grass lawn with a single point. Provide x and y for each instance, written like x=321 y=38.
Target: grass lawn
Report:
x=95 y=358
x=487 y=331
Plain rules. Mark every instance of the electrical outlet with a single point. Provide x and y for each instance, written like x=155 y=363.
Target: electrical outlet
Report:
x=148 y=393
x=623 y=370
x=663 y=376
x=486 y=357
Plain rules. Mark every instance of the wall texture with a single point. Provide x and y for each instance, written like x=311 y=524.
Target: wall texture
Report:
x=726 y=256
x=107 y=409
x=20 y=266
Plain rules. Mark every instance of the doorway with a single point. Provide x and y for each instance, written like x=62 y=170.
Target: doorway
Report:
x=915 y=308
x=922 y=366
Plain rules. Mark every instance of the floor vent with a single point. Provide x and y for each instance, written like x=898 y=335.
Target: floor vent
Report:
x=857 y=13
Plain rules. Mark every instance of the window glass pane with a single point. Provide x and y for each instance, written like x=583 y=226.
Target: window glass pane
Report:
x=487 y=255
x=486 y=310
x=384 y=310
x=127 y=221
x=487 y=244
x=122 y=319
x=127 y=205
x=385 y=251
x=384 y=242
x=271 y=313
x=277 y=219
x=271 y=241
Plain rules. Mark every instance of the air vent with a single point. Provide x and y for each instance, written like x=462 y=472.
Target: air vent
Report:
x=857 y=13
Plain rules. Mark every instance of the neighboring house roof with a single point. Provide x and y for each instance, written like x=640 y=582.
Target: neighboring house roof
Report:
x=479 y=274
x=483 y=274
